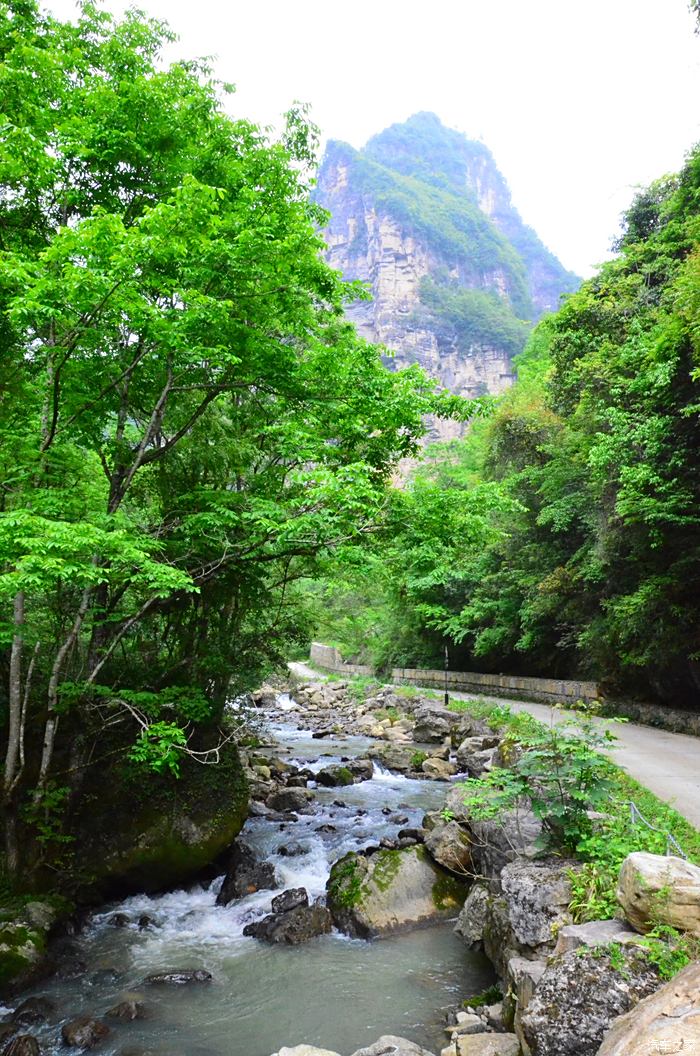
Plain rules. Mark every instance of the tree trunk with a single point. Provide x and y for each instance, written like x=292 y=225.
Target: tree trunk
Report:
x=14 y=696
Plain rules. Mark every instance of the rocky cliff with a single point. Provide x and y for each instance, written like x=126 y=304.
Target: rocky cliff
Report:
x=423 y=216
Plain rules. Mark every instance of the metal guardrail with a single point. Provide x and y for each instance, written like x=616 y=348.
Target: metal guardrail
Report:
x=636 y=817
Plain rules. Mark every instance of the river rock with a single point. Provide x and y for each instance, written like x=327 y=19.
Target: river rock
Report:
x=449 y=845
x=361 y=769
x=84 y=1032
x=537 y=895
x=390 y=1045
x=291 y=850
x=34 y=1010
x=470 y=923
x=392 y=890
x=394 y=757
x=475 y=754
x=438 y=769
x=128 y=1010
x=335 y=777
x=22 y=1045
x=667 y=1021
x=431 y=727
x=487 y=1045
x=579 y=996
x=245 y=874
x=594 y=933
x=291 y=799
x=292 y=928
x=291 y=899
x=305 y=1050
x=521 y=979
x=656 y=889
x=179 y=977
x=498 y=841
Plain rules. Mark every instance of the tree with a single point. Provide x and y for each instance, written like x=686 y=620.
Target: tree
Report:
x=187 y=420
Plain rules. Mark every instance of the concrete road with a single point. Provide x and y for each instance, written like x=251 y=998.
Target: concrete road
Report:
x=667 y=763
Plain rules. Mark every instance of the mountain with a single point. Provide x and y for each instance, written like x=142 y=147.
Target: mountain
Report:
x=424 y=217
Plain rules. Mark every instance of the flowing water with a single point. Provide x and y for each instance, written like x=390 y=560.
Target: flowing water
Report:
x=332 y=992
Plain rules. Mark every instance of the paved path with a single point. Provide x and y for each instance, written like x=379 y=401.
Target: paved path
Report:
x=667 y=763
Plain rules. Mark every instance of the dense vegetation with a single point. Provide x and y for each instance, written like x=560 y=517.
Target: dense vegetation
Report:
x=563 y=536
x=187 y=421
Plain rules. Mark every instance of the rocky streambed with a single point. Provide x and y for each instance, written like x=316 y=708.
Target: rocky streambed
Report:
x=358 y=831
x=320 y=793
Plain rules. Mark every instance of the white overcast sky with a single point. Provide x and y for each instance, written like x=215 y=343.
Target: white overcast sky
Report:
x=580 y=102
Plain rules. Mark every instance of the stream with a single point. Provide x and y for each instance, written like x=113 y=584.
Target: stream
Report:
x=334 y=992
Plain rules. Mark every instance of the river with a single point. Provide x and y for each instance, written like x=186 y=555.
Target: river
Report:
x=333 y=991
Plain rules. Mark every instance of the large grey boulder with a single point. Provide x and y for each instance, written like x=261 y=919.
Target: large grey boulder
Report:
x=448 y=844
x=594 y=933
x=537 y=895
x=472 y=917
x=487 y=1045
x=390 y=891
x=291 y=799
x=656 y=889
x=293 y=927
x=475 y=754
x=579 y=996
x=667 y=1021
x=431 y=727
x=522 y=977
x=245 y=875
x=497 y=841
x=305 y=1050
x=390 y=1045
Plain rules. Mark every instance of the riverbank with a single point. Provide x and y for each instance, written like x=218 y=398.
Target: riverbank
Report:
x=360 y=826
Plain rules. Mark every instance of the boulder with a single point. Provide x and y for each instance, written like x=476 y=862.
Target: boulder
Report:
x=438 y=769
x=431 y=727
x=292 y=850
x=305 y=1050
x=522 y=977
x=667 y=1021
x=335 y=777
x=361 y=769
x=594 y=933
x=394 y=757
x=291 y=899
x=390 y=891
x=144 y=838
x=449 y=845
x=537 y=895
x=653 y=889
x=390 y=1045
x=84 y=1032
x=128 y=1010
x=498 y=841
x=34 y=1010
x=488 y=1045
x=292 y=928
x=579 y=996
x=291 y=799
x=22 y=1045
x=179 y=977
x=470 y=922
x=475 y=754
x=245 y=875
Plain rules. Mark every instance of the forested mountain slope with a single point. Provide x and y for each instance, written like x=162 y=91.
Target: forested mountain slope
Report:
x=423 y=216
x=563 y=536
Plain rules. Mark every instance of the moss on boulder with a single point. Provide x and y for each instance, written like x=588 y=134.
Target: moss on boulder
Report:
x=390 y=891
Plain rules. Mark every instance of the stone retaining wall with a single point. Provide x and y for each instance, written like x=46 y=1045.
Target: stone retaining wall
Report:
x=540 y=690
x=328 y=657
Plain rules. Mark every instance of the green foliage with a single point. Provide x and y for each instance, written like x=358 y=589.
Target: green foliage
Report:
x=559 y=770
x=491 y=996
x=473 y=317
x=669 y=950
x=189 y=426
x=417 y=759
x=584 y=483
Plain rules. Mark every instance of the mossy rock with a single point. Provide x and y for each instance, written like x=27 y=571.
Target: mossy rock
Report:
x=391 y=891
x=156 y=831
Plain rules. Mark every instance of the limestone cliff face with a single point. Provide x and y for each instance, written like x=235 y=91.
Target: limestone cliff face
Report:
x=424 y=218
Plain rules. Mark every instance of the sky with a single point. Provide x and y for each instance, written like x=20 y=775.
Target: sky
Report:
x=580 y=103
